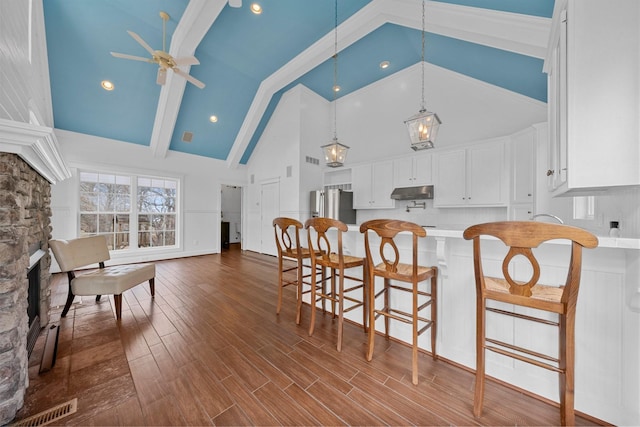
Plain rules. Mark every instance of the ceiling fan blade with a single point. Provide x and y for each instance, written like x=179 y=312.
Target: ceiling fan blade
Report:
x=186 y=60
x=135 y=58
x=189 y=78
x=141 y=42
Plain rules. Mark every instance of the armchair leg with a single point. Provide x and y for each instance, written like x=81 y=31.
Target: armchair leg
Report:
x=117 y=299
x=152 y=286
x=67 y=305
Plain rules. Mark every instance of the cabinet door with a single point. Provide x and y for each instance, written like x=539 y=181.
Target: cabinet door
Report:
x=403 y=172
x=382 y=185
x=522 y=212
x=557 y=86
x=422 y=169
x=450 y=179
x=412 y=171
x=361 y=186
x=522 y=162
x=485 y=183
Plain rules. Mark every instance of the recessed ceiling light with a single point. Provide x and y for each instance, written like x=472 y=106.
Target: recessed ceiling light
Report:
x=384 y=64
x=107 y=85
x=256 y=8
x=336 y=88
x=213 y=119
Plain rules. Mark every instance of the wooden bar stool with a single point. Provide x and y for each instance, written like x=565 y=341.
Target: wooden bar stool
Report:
x=287 y=234
x=392 y=269
x=521 y=237
x=320 y=235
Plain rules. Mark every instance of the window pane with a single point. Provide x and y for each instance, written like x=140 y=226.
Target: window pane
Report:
x=88 y=224
x=170 y=221
x=105 y=223
x=122 y=240
x=123 y=203
x=88 y=202
x=170 y=238
x=144 y=239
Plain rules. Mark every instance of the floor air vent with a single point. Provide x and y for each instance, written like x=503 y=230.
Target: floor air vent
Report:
x=50 y=415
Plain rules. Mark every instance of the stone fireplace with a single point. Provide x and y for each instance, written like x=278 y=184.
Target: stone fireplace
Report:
x=25 y=212
x=29 y=164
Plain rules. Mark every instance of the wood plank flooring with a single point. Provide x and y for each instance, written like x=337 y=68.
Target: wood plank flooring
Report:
x=210 y=350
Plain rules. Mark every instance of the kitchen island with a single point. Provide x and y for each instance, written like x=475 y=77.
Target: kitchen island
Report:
x=607 y=382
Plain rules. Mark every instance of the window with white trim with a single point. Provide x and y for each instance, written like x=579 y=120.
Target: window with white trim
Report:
x=132 y=211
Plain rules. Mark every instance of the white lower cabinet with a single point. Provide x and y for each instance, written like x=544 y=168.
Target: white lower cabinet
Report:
x=474 y=176
x=372 y=185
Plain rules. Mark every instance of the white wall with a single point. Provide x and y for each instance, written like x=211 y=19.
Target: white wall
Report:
x=298 y=127
x=201 y=177
x=371 y=120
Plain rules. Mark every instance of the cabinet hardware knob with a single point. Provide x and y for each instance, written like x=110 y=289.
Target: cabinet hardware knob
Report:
x=549 y=172
x=529 y=194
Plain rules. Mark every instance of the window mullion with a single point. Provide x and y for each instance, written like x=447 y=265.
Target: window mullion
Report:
x=133 y=221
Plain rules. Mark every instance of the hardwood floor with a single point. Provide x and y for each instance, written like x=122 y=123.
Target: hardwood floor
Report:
x=210 y=350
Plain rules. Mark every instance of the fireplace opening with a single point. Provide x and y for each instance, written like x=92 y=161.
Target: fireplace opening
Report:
x=33 y=297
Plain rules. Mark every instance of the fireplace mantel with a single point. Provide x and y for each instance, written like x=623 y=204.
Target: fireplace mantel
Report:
x=36 y=145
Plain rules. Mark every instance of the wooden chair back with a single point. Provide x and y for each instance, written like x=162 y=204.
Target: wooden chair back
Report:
x=287 y=234
x=318 y=228
x=521 y=237
x=387 y=230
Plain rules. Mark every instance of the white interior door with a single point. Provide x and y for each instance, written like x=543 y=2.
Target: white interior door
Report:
x=269 y=209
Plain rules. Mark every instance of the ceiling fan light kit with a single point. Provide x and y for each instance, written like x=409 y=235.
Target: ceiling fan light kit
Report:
x=161 y=57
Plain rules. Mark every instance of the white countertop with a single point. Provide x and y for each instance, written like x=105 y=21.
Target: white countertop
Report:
x=456 y=230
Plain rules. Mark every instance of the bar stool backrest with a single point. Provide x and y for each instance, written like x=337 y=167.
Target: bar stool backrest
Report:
x=387 y=229
x=287 y=233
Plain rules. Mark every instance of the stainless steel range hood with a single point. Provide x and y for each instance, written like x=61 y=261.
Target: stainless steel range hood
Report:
x=413 y=193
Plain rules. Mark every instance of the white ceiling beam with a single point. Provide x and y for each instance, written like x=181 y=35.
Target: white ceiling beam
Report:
x=193 y=26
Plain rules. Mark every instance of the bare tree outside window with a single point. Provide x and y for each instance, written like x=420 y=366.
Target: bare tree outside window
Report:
x=107 y=208
x=156 y=212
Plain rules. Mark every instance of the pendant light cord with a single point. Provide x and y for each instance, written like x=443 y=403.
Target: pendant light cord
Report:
x=335 y=72
x=422 y=108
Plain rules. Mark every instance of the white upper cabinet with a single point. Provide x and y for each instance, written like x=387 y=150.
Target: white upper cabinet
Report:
x=412 y=171
x=474 y=176
x=372 y=185
x=522 y=164
x=593 y=67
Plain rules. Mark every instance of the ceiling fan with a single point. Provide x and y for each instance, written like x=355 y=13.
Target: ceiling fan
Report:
x=162 y=57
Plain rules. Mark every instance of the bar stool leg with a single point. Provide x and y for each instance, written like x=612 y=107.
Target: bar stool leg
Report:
x=365 y=290
x=480 y=337
x=566 y=378
x=299 y=294
x=340 y=309
x=372 y=318
x=414 y=349
x=279 y=306
x=313 y=300
x=387 y=283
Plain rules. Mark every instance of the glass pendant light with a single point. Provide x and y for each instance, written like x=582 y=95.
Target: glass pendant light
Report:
x=423 y=127
x=335 y=153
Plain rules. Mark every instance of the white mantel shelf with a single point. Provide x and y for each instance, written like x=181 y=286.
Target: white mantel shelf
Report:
x=36 y=145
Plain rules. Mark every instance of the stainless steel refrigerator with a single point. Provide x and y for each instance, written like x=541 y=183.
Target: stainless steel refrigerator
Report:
x=333 y=203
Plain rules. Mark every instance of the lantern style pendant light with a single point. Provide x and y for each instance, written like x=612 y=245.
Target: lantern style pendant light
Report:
x=423 y=127
x=335 y=153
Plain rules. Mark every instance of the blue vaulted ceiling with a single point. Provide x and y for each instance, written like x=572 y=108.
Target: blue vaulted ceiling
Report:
x=237 y=54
